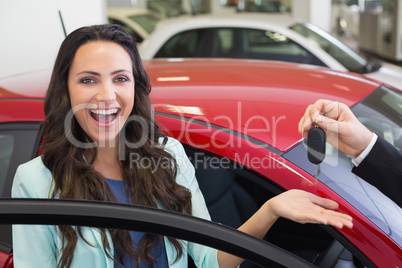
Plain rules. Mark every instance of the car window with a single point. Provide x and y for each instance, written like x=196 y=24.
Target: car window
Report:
x=236 y=43
x=6 y=150
x=146 y=21
x=181 y=45
x=128 y=29
x=346 y=56
x=166 y=8
x=18 y=144
x=234 y=193
x=381 y=112
x=273 y=44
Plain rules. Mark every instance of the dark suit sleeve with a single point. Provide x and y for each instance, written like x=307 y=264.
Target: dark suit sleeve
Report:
x=382 y=168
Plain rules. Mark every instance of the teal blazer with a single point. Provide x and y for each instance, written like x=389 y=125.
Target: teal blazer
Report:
x=40 y=245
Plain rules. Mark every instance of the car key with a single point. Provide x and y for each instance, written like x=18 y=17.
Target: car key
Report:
x=316 y=147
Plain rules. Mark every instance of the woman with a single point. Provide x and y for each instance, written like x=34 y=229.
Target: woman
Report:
x=98 y=115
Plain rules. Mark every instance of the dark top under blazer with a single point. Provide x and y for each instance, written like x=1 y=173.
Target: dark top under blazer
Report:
x=382 y=168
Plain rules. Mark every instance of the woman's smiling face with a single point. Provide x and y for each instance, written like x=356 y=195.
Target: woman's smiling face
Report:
x=101 y=88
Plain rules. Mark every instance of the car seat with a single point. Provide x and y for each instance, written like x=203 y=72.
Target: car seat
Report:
x=228 y=203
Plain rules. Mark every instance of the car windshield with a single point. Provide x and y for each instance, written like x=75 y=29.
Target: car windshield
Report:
x=350 y=59
x=147 y=21
x=166 y=8
x=381 y=112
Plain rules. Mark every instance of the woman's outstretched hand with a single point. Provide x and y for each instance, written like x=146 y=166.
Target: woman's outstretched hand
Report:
x=296 y=205
x=304 y=207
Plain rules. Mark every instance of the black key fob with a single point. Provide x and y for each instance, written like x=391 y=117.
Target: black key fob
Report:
x=316 y=145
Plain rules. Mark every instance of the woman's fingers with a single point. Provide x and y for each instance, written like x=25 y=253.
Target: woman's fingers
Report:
x=304 y=207
x=334 y=218
x=328 y=208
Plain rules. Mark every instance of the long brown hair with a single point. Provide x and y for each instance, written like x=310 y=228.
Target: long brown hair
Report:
x=73 y=176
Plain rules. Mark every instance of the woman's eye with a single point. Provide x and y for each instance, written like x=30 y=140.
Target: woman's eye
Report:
x=87 y=81
x=121 y=79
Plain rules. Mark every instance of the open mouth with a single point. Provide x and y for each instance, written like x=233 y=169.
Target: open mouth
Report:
x=105 y=116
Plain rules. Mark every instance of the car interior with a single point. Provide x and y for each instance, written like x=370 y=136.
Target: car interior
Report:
x=6 y=149
x=234 y=194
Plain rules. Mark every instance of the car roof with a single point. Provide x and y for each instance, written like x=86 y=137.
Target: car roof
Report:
x=27 y=85
x=242 y=19
x=21 y=96
x=232 y=93
x=238 y=94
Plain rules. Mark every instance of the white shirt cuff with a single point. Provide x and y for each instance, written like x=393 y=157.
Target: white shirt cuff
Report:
x=357 y=160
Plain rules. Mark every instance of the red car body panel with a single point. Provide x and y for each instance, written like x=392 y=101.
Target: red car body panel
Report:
x=6 y=260
x=17 y=110
x=181 y=88
x=206 y=94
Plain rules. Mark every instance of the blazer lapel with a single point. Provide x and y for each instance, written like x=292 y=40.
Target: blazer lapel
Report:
x=99 y=246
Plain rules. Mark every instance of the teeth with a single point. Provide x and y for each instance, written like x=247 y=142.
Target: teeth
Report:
x=105 y=112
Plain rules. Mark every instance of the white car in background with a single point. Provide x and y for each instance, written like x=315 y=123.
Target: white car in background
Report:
x=261 y=36
x=138 y=22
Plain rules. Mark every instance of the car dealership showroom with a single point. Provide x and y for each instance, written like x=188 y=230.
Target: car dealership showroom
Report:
x=200 y=133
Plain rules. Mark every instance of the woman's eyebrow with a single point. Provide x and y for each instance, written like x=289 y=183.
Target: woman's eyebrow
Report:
x=89 y=72
x=121 y=71
x=98 y=74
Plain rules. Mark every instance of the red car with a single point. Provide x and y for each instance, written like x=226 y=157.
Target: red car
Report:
x=237 y=120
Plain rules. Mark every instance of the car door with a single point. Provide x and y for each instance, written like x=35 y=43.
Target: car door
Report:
x=19 y=142
x=146 y=219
